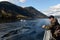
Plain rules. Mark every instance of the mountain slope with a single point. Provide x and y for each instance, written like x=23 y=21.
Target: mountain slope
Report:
x=37 y=14
x=9 y=7
x=9 y=11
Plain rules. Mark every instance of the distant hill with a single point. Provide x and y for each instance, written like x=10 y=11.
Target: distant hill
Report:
x=11 y=12
x=37 y=14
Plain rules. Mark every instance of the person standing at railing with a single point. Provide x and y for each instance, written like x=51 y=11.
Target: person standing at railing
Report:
x=54 y=24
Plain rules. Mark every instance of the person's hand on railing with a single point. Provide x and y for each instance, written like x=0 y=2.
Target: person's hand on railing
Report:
x=43 y=26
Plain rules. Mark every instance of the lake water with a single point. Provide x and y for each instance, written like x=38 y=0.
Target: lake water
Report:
x=23 y=30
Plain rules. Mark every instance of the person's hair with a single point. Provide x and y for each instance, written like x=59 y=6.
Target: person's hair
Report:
x=51 y=16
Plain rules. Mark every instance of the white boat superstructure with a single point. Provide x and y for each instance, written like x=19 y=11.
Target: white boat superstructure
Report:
x=47 y=35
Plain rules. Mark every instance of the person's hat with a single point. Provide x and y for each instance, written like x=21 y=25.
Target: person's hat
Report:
x=51 y=16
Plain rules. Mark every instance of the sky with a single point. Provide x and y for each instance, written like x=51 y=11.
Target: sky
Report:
x=40 y=5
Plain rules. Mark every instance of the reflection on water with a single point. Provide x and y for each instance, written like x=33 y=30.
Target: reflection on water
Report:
x=23 y=30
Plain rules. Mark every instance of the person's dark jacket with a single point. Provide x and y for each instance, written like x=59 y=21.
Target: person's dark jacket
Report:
x=54 y=24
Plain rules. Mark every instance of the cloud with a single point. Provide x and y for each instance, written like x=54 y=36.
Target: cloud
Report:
x=53 y=10
x=22 y=1
x=14 y=1
x=55 y=6
x=17 y=2
x=3 y=0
